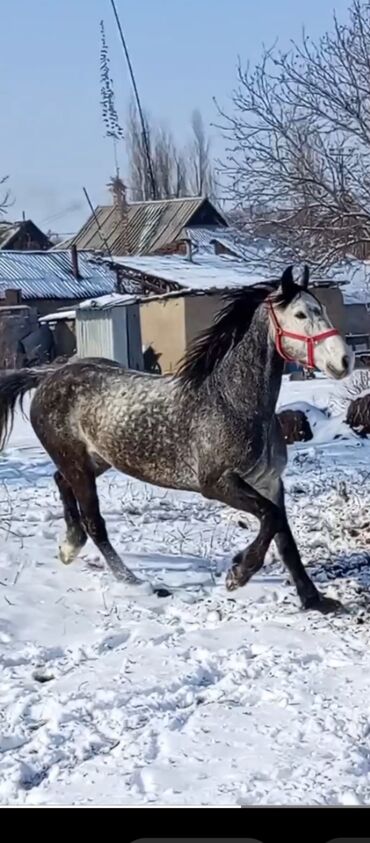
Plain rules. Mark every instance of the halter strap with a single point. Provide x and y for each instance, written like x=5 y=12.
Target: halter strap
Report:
x=311 y=342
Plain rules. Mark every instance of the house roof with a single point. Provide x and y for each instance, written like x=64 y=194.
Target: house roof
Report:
x=7 y=232
x=242 y=245
x=151 y=225
x=49 y=275
x=206 y=272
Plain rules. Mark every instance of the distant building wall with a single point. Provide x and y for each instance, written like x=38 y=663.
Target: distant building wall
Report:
x=171 y=325
x=15 y=324
x=163 y=327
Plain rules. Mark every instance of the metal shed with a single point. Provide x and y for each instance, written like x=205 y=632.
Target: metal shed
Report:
x=109 y=326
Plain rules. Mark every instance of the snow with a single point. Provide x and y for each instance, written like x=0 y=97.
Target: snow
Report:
x=207 y=271
x=204 y=272
x=205 y=698
x=354 y=274
x=59 y=316
x=107 y=301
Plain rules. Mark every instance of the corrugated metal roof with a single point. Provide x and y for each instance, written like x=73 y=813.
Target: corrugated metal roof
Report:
x=150 y=226
x=241 y=244
x=49 y=275
x=206 y=272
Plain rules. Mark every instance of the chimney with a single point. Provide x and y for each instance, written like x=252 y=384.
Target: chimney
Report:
x=12 y=297
x=74 y=261
x=189 y=249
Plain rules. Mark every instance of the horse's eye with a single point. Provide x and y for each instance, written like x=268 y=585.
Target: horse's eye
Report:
x=300 y=315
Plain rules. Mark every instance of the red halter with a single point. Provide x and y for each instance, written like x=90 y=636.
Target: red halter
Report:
x=310 y=341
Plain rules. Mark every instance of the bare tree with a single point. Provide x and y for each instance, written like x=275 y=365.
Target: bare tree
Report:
x=201 y=172
x=298 y=157
x=164 y=162
x=177 y=171
x=4 y=196
x=168 y=161
x=138 y=176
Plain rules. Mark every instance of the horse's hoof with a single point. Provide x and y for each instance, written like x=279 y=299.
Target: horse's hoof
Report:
x=68 y=552
x=232 y=581
x=325 y=605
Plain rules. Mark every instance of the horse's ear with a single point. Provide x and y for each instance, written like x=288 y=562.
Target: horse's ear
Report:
x=305 y=277
x=287 y=281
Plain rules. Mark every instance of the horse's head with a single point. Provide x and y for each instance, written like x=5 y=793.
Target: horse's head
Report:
x=302 y=330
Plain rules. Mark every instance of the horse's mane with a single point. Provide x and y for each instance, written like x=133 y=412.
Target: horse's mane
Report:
x=228 y=328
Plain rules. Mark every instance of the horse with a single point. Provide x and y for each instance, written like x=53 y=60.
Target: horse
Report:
x=211 y=428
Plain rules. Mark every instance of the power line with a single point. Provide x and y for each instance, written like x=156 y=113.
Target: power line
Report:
x=138 y=103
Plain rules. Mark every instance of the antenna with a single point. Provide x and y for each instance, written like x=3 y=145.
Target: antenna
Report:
x=138 y=103
x=87 y=197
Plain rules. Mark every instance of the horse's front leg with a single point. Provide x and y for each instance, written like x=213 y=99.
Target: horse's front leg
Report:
x=309 y=595
x=231 y=489
x=234 y=491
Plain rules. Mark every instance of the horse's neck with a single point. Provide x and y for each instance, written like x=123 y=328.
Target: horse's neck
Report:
x=253 y=370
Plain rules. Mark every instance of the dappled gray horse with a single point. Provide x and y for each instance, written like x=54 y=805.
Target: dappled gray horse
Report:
x=210 y=429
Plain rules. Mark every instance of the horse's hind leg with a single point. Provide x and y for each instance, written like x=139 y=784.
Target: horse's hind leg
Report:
x=76 y=535
x=83 y=483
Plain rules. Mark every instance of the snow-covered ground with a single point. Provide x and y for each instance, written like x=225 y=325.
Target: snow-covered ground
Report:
x=203 y=698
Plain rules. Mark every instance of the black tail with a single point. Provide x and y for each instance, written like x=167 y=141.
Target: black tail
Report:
x=13 y=388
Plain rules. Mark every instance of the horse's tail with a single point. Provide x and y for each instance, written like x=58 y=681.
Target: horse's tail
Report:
x=13 y=388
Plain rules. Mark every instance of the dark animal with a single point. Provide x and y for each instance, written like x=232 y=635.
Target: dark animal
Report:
x=295 y=426
x=211 y=428
x=358 y=415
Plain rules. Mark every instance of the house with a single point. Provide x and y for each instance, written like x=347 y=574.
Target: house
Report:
x=171 y=322
x=23 y=235
x=179 y=297
x=48 y=280
x=144 y=228
x=33 y=284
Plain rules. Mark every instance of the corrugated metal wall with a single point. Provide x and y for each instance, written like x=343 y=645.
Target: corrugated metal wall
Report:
x=94 y=334
x=111 y=334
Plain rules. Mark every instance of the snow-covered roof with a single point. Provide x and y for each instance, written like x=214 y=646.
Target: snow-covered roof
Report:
x=110 y=300
x=254 y=250
x=355 y=277
x=205 y=272
x=58 y=316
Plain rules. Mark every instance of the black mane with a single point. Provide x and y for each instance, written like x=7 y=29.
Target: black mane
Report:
x=227 y=329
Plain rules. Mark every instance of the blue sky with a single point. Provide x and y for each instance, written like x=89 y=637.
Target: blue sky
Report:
x=184 y=53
